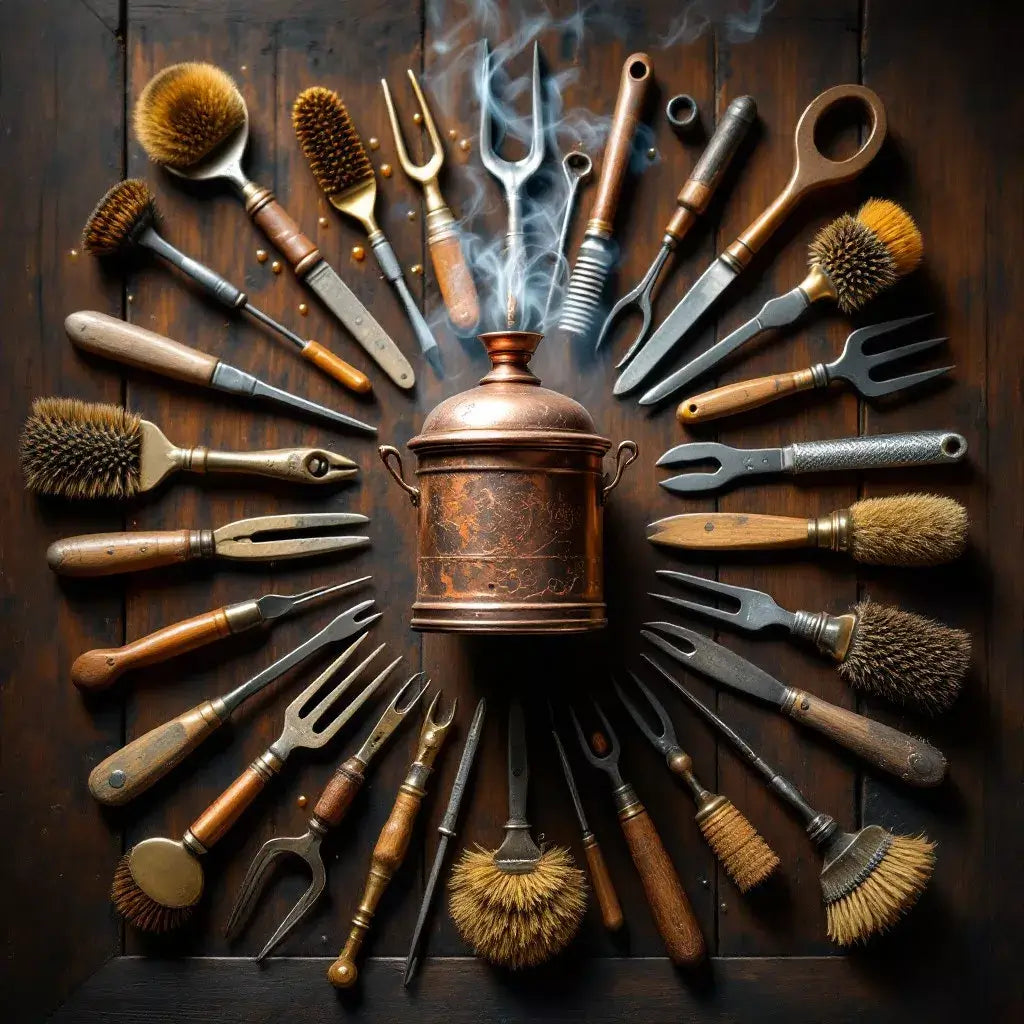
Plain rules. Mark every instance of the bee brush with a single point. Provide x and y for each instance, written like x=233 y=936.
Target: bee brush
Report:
x=870 y=878
x=126 y=217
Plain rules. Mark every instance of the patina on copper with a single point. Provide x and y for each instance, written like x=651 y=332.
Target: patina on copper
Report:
x=510 y=497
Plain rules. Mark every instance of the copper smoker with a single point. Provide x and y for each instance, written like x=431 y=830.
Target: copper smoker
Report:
x=510 y=499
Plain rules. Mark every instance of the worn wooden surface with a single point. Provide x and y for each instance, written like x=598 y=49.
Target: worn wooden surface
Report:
x=949 y=76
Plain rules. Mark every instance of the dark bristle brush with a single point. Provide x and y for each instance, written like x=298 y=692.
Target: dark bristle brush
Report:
x=126 y=218
x=870 y=878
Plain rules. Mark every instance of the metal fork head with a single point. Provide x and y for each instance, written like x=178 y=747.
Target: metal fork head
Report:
x=756 y=609
x=638 y=298
x=665 y=742
x=609 y=761
x=857 y=367
x=242 y=538
x=418 y=172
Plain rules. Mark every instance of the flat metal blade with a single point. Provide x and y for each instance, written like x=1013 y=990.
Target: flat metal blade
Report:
x=412 y=961
x=282 y=397
x=570 y=781
x=697 y=301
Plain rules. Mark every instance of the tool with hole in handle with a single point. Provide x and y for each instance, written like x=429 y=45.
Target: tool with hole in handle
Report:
x=673 y=914
x=393 y=842
x=102 y=667
x=137 y=765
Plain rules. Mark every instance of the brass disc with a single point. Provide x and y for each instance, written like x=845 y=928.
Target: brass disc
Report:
x=166 y=872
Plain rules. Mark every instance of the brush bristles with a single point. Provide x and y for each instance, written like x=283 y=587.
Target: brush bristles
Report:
x=864 y=255
x=75 y=449
x=125 y=209
x=908 y=529
x=517 y=921
x=906 y=658
x=138 y=909
x=330 y=141
x=747 y=858
x=888 y=889
x=185 y=112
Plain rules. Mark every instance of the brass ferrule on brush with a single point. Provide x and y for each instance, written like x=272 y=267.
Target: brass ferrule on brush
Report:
x=817 y=286
x=831 y=531
x=439 y=219
x=831 y=634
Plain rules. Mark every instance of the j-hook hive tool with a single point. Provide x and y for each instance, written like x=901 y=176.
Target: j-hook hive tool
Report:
x=287 y=536
x=329 y=812
x=513 y=176
x=914 y=761
x=882 y=451
x=812 y=170
x=692 y=201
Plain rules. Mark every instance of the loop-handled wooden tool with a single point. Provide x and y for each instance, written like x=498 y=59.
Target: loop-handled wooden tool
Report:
x=392 y=843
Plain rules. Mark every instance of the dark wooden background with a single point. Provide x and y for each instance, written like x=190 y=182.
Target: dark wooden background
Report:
x=69 y=73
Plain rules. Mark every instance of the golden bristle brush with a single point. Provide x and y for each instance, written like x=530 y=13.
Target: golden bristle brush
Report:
x=748 y=860
x=126 y=217
x=905 y=529
x=870 y=878
x=191 y=119
x=343 y=171
x=76 y=449
x=852 y=260
x=517 y=906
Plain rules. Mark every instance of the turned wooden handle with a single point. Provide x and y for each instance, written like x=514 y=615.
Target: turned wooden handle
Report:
x=743 y=395
x=339 y=793
x=137 y=765
x=135 y=346
x=731 y=531
x=455 y=282
x=104 y=554
x=913 y=760
x=604 y=890
x=283 y=232
x=214 y=823
x=669 y=904
x=99 y=668
x=388 y=854
x=336 y=367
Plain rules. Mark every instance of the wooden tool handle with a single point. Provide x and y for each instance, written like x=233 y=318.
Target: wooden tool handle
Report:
x=105 y=554
x=913 y=760
x=743 y=395
x=284 y=233
x=387 y=857
x=731 y=531
x=676 y=921
x=455 y=281
x=214 y=823
x=137 y=765
x=336 y=367
x=604 y=890
x=633 y=85
x=339 y=793
x=98 y=669
x=135 y=346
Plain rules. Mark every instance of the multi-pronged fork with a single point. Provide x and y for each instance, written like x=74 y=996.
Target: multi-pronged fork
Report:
x=854 y=366
x=329 y=811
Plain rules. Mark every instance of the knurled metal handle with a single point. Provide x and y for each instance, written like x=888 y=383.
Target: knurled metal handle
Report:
x=920 y=448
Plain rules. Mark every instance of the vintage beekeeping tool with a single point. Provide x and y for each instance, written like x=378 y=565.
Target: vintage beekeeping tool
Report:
x=265 y=538
x=576 y=169
x=159 y=881
x=100 y=668
x=192 y=120
x=135 y=346
x=450 y=267
x=329 y=812
x=447 y=832
x=513 y=176
x=812 y=170
x=914 y=761
x=137 y=765
x=393 y=842
x=693 y=199
x=673 y=914
x=854 y=366
x=882 y=451
x=598 y=252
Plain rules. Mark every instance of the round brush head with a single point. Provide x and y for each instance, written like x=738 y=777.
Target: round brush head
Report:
x=75 y=449
x=864 y=255
x=906 y=658
x=908 y=529
x=747 y=858
x=330 y=141
x=513 y=920
x=874 y=882
x=155 y=889
x=185 y=112
x=126 y=209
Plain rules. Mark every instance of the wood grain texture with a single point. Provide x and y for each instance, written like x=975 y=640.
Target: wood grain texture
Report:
x=213 y=824
x=107 y=554
x=742 y=396
x=340 y=791
x=603 y=886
